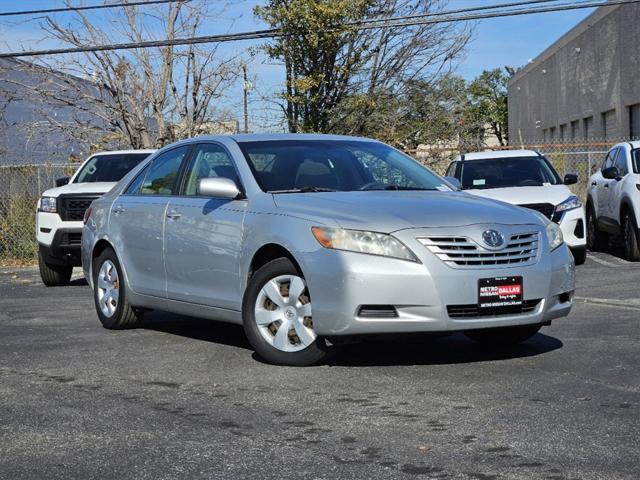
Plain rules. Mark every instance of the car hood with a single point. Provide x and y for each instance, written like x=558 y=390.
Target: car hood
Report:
x=389 y=211
x=76 y=188
x=554 y=194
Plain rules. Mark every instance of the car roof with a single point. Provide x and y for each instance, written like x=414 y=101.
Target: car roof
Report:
x=121 y=152
x=498 y=154
x=266 y=137
x=634 y=144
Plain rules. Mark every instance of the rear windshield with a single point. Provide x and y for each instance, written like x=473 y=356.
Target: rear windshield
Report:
x=507 y=172
x=108 y=168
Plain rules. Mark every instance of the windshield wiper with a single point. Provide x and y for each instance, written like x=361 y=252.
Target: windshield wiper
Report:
x=400 y=187
x=304 y=190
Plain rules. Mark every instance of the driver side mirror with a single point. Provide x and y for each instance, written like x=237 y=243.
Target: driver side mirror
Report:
x=455 y=183
x=570 y=179
x=218 y=187
x=610 y=173
x=62 y=181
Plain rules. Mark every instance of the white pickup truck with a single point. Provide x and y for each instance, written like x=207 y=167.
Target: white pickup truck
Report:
x=613 y=200
x=60 y=210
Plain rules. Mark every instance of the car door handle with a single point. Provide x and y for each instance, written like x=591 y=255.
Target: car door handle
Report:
x=173 y=215
x=594 y=184
x=118 y=209
x=606 y=185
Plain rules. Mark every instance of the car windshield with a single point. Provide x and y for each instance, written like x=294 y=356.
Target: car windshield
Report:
x=108 y=168
x=289 y=166
x=507 y=172
x=635 y=156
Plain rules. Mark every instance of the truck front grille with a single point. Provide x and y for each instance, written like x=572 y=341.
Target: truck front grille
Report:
x=462 y=252
x=72 y=207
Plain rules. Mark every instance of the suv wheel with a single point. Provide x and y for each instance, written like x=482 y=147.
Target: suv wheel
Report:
x=110 y=295
x=504 y=336
x=277 y=316
x=54 y=275
x=579 y=255
x=596 y=239
x=630 y=234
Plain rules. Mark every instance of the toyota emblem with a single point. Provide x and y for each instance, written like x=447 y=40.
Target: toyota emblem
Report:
x=493 y=238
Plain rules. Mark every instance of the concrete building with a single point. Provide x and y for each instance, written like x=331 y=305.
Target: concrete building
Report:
x=585 y=85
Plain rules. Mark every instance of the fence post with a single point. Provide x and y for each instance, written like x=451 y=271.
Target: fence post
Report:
x=589 y=167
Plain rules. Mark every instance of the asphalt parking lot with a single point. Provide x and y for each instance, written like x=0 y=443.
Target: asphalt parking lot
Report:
x=185 y=398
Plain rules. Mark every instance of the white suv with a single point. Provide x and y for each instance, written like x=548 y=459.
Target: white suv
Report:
x=613 y=200
x=527 y=179
x=60 y=210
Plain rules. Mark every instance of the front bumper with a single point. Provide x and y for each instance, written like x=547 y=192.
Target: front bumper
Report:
x=64 y=248
x=573 y=224
x=341 y=283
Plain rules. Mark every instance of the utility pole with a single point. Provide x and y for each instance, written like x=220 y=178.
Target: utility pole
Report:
x=246 y=88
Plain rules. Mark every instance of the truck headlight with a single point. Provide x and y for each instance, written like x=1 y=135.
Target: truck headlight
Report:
x=569 y=204
x=554 y=235
x=48 y=204
x=359 y=241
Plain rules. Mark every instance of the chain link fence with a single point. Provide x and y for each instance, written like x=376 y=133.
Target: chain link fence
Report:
x=20 y=188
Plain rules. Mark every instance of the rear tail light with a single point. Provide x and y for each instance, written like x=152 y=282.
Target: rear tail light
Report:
x=87 y=214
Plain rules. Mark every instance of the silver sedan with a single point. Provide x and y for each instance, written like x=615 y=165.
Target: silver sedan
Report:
x=304 y=239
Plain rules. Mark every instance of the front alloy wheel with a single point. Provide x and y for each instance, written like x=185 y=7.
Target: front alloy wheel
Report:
x=278 y=317
x=630 y=233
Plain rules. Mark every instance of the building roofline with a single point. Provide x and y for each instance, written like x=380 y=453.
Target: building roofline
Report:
x=572 y=34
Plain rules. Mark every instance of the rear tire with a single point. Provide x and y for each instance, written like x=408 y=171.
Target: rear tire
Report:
x=579 y=255
x=279 y=326
x=597 y=240
x=54 y=275
x=504 y=336
x=110 y=294
x=630 y=237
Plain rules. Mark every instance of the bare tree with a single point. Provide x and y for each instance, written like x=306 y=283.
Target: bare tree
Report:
x=140 y=97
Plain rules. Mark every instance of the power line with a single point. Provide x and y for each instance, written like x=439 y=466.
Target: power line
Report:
x=87 y=7
x=391 y=22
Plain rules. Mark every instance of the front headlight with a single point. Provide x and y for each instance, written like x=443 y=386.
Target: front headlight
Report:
x=554 y=235
x=362 y=242
x=48 y=204
x=569 y=204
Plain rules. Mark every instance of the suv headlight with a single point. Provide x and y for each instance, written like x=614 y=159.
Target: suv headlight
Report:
x=359 y=241
x=569 y=204
x=48 y=204
x=554 y=235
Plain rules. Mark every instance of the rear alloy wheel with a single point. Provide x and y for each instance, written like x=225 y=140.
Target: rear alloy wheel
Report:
x=630 y=233
x=596 y=239
x=504 y=336
x=278 y=318
x=110 y=295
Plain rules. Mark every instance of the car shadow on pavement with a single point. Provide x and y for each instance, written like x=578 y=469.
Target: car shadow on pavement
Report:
x=196 y=328
x=425 y=350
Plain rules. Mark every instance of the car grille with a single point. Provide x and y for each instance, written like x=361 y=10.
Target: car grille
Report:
x=72 y=208
x=546 y=209
x=473 y=311
x=521 y=249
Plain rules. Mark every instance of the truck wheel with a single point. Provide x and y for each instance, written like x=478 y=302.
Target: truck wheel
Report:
x=110 y=294
x=504 y=336
x=596 y=239
x=277 y=316
x=630 y=233
x=54 y=275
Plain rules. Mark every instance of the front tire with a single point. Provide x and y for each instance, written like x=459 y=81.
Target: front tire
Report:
x=277 y=316
x=630 y=235
x=504 y=336
x=54 y=275
x=110 y=294
x=597 y=240
x=579 y=255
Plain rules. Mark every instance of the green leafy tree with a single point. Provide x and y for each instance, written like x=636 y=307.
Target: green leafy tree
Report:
x=488 y=105
x=340 y=76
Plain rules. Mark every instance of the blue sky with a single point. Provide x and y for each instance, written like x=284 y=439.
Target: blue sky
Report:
x=496 y=43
